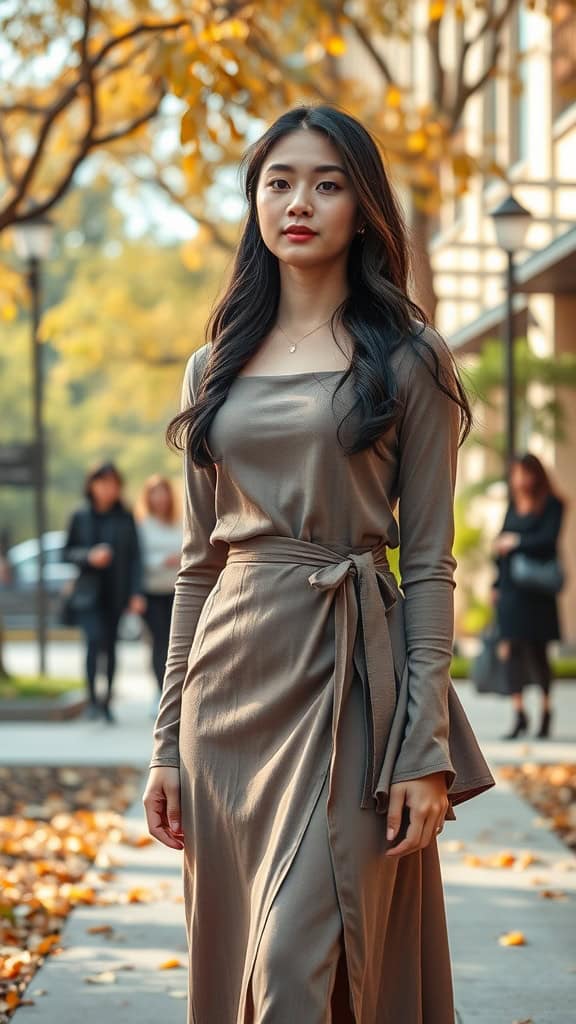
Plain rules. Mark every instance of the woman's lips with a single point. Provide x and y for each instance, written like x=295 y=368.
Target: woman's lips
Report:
x=299 y=234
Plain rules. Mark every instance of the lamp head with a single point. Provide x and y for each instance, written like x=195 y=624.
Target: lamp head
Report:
x=511 y=223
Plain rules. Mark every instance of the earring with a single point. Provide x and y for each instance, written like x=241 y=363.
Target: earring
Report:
x=362 y=230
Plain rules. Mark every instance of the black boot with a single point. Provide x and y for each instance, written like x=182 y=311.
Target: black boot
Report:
x=519 y=728
x=544 y=729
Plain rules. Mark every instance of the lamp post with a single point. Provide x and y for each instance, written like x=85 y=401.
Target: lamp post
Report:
x=511 y=222
x=33 y=242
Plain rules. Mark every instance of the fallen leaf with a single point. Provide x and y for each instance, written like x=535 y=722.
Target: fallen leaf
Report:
x=168 y=965
x=526 y=860
x=512 y=939
x=553 y=894
x=104 y=978
x=472 y=860
x=139 y=894
x=100 y=929
x=504 y=859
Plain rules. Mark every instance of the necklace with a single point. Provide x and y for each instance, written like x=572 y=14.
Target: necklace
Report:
x=294 y=344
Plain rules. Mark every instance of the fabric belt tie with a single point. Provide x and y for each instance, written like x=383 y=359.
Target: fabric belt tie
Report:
x=360 y=610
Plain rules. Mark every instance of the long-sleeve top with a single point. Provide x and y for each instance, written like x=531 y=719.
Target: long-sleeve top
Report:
x=280 y=470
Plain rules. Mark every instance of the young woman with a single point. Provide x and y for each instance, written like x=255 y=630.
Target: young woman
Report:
x=527 y=619
x=160 y=534
x=309 y=744
x=103 y=543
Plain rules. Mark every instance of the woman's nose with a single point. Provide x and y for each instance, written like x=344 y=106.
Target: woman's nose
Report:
x=300 y=203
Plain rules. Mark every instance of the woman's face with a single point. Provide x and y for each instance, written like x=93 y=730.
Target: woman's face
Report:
x=105 y=491
x=521 y=480
x=303 y=185
x=159 y=501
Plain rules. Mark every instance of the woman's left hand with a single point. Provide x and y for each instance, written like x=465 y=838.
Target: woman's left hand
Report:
x=137 y=604
x=428 y=802
x=506 y=543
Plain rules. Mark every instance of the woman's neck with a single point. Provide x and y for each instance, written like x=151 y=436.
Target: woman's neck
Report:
x=310 y=296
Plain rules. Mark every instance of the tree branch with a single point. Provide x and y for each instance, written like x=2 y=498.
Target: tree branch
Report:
x=494 y=25
x=438 y=75
x=157 y=181
x=88 y=66
x=121 y=133
x=6 y=156
x=377 y=57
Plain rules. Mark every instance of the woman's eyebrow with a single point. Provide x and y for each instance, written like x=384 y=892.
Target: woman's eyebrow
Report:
x=321 y=169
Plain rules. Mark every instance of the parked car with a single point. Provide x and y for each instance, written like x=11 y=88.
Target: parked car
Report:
x=18 y=590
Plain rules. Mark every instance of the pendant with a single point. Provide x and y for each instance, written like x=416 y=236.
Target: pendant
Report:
x=292 y=348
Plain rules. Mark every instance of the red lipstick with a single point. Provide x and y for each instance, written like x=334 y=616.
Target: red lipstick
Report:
x=299 y=233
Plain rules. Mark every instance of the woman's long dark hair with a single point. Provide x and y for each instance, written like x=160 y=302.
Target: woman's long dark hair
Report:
x=540 y=487
x=378 y=314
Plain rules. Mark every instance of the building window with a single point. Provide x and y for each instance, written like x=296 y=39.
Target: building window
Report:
x=563 y=56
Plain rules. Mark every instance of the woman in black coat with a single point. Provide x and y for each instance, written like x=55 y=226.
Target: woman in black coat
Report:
x=103 y=542
x=527 y=619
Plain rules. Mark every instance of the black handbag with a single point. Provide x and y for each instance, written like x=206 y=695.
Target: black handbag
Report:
x=488 y=672
x=542 y=577
x=83 y=597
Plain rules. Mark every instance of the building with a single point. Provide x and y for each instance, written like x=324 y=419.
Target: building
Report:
x=526 y=118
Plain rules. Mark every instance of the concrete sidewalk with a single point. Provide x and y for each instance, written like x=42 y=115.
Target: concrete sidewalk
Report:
x=494 y=984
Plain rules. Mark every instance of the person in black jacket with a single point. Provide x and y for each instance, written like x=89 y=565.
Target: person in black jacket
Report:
x=527 y=619
x=103 y=542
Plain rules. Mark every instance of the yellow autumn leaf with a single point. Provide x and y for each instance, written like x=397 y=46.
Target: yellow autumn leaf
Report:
x=436 y=10
x=335 y=46
x=416 y=142
x=504 y=859
x=139 y=895
x=512 y=939
x=472 y=860
x=393 y=97
x=46 y=944
x=169 y=965
x=188 y=128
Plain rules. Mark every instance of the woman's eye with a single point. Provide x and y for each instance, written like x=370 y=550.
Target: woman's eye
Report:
x=279 y=181
x=332 y=186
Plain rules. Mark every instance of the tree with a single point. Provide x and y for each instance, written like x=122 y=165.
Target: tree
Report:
x=221 y=69
x=544 y=418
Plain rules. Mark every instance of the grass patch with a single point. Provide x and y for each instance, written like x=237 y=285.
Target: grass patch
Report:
x=562 y=668
x=36 y=687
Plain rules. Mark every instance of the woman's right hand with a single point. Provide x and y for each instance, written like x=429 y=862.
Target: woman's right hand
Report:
x=100 y=556
x=161 y=801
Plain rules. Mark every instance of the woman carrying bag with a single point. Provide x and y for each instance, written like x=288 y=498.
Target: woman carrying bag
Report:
x=529 y=577
x=102 y=541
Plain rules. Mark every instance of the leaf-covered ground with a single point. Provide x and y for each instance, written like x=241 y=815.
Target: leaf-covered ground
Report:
x=551 y=789
x=53 y=822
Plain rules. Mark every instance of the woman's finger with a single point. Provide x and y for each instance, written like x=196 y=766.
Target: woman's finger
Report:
x=411 y=841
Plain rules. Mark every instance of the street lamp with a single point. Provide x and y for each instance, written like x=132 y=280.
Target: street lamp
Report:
x=33 y=242
x=511 y=223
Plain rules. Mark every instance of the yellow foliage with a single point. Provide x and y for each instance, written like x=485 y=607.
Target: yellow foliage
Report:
x=436 y=10
x=335 y=46
x=393 y=97
x=416 y=142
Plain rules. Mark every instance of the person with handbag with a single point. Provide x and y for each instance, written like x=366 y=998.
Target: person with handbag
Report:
x=529 y=577
x=102 y=541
